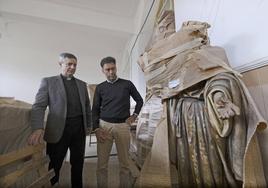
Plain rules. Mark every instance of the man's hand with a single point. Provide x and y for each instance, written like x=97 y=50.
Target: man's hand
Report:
x=131 y=119
x=101 y=135
x=225 y=107
x=36 y=137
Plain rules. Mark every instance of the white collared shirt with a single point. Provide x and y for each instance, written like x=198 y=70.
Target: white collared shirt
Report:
x=112 y=81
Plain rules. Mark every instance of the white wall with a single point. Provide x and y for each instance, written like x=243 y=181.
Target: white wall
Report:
x=238 y=26
x=29 y=49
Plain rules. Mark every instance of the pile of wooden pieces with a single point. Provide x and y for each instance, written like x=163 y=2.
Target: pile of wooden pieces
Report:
x=20 y=165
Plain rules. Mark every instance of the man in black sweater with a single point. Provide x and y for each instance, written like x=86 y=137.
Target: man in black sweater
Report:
x=111 y=120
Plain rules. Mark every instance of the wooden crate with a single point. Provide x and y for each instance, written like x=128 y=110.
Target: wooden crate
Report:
x=27 y=160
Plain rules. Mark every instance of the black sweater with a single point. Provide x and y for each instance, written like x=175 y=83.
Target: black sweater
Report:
x=112 y=101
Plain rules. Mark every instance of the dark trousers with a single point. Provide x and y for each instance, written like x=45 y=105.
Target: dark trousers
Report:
x=73 y=138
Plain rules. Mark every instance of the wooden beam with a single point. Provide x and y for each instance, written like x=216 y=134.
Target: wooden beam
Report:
x=14 y=156
x=11 y=178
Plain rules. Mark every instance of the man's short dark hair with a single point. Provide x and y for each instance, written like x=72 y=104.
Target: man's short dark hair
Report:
x=67 y=55
x=107 y=60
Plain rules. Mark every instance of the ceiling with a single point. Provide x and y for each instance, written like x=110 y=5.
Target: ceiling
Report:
x=87 y=12
x=98 y=27
x=124 y=8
